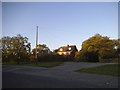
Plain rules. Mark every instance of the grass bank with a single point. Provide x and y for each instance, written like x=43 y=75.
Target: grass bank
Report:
x=109 y=69
x=39 y=64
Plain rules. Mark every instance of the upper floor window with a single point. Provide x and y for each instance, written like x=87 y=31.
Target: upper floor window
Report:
x=69 y=48
x=61 y=49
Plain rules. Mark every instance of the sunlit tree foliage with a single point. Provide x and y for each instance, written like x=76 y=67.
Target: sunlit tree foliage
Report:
x=15 y=48
x=98 y=46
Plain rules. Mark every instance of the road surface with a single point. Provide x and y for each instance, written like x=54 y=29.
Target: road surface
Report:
x=56 y=77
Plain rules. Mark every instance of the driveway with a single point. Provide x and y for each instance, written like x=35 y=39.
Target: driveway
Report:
x=59 y=77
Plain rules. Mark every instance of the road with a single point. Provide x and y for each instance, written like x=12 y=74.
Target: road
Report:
x=55 y=77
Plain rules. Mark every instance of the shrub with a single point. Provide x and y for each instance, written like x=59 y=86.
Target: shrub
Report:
x=53 y=57
x=32 y=58
x=92 y=56
x=87 y=56
x=50 y=57
x=106 y=54
x=80 y=56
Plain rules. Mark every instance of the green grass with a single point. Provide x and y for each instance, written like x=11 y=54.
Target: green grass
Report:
x=49 y=64
x=40 y=64
x=110 y=69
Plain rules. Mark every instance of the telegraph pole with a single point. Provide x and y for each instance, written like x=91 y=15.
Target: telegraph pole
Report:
x=36 y=41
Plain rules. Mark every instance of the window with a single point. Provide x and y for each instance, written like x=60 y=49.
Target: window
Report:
x=61 y=49
x=64 y=53
x=69 y=48
x=60 y=53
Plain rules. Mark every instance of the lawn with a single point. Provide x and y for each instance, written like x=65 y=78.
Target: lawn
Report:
x=109 y=69
x=40 y=64
x=49 y=64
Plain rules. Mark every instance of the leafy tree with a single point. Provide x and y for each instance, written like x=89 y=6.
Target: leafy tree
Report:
x=81 y=55
x=5 y=45
x=55 y=51
x=117 y=45
x=15 y=48
x=87 y=56
x=41 y=49
x=100 y=44
x=97 y=45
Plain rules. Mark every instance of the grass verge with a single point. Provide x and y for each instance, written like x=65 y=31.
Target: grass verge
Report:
x=40 y=64
x=109 y=69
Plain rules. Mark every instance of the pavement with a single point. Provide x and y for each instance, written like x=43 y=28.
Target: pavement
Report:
x=62 y=76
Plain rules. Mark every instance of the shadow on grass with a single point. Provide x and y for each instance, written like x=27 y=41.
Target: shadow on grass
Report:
x=38 y=64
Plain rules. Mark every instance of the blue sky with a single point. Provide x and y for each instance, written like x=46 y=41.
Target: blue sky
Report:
x=60 y=23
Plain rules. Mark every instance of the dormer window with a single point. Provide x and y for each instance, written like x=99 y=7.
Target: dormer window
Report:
x=61 y=49
x=69 y=48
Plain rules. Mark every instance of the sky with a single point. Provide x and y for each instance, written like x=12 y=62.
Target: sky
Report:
x=60 y=23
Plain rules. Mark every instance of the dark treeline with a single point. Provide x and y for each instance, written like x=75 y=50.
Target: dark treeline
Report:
x=18 y=49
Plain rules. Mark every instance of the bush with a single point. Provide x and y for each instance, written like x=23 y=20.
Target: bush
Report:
x=87 y=56
x=92 y=56
x=49 y=57
x=32 y=58
x=106 y=54
x=53 y=57
x=80 y=56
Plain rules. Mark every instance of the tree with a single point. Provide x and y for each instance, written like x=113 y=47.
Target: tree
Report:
x=55 y=51
x=43 y=53
x=15 y=48
x=98 y=45
x=41 y=49
x=87 y=56
x=117 y=45
x=5 y=45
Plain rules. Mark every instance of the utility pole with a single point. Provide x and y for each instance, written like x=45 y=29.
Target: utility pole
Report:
x=36 y=41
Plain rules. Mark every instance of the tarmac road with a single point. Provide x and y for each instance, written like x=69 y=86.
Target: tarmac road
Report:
x=56 y=77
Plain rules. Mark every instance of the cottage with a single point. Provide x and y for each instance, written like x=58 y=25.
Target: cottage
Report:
x=67 y=50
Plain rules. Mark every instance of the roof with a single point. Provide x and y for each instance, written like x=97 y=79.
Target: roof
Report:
x=67 y=48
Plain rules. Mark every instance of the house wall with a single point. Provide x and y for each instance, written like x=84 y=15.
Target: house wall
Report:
x=64 y=53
